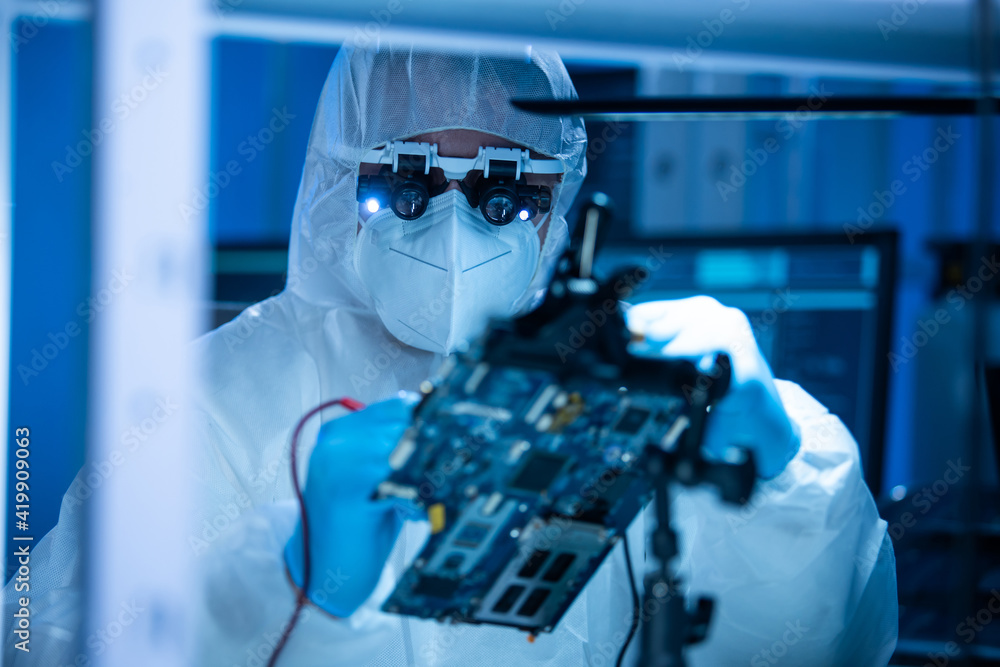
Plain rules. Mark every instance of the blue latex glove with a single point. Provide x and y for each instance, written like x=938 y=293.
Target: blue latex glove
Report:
x=350 y=536
x=750 y=414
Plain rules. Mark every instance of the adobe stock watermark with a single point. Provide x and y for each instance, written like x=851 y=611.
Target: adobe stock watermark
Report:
x=591 y=491
x=704 y=39
x=967 y=631
x=956 y=298
x=240 y=330
x=563 y=11
x=29 y=25
x=786 y=128
x=609 y=134
x=364 y=35
x=258 y=655
x=898 y=17
x=223 y=7
x=442 y=642
x=915 y=168
x=212 y=529
x=829 y=430
x=420 y=320
x=100 y=641
x=131 y=440
x=121 y=108
x=922 y=502
x=249 y=149
x=59 y=340
x=781 y=302
x=738 y=517
x=263 y=480
x=605 y=653
x=375 y=366
x=471 y=443
x=779 y=649
x=371 y=32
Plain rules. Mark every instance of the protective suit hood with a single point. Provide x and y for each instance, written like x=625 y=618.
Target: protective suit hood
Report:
x=376 y=95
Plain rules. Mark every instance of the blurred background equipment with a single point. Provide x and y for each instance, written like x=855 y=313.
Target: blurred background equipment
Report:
x=883 y=228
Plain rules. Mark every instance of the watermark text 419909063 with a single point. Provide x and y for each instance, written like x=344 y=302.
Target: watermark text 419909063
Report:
x=22 y=507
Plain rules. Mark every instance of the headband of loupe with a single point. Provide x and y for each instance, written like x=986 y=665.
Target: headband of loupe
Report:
x=405 y=182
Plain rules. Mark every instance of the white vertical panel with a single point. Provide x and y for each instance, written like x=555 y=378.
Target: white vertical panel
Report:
x=151 y=88
x=801 y=165
x=719 y=148
x=663 y=174
x=683 y=163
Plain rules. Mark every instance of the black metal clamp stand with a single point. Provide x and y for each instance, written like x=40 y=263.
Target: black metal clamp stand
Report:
x=668 y=625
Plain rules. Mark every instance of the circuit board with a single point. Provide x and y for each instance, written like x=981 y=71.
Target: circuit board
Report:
x=534 y=449
x=529 y=478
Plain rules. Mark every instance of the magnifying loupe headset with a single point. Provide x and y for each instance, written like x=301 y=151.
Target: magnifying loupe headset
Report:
x=405 y=182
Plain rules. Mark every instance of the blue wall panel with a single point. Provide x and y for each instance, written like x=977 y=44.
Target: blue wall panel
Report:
x=51 y=258
x=264 y=98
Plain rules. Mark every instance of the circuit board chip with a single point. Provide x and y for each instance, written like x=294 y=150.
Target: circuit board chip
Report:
x=538 y=472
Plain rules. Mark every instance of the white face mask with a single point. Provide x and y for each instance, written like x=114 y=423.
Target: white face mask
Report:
x=438 y=279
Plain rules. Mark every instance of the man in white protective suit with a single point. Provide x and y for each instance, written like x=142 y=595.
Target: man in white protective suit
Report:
x=378 y=292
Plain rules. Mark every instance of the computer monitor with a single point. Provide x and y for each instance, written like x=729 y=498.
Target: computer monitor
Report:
x=820 y=305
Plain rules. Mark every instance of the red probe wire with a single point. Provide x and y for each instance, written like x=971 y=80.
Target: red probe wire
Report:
x=300 y=602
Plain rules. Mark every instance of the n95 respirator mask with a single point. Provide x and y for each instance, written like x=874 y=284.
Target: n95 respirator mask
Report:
x=437 y=280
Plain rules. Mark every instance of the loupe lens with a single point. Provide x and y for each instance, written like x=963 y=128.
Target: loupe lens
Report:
x=499 y=209
x=409 y=203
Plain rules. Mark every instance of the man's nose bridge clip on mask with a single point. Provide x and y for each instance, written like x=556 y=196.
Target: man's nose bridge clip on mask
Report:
x=405 y=183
